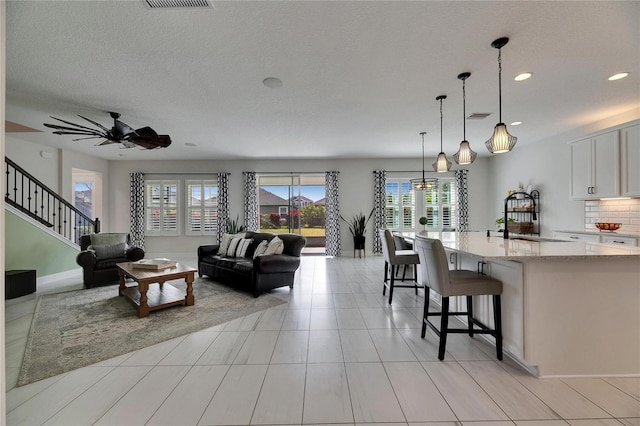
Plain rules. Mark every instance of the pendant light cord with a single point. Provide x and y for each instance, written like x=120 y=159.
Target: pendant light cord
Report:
x=441 y=125
x=500 y=82
x=464 y=111
x=423 y=133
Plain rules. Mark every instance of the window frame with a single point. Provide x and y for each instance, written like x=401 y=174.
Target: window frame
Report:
x=161 y=207
x=188 y=231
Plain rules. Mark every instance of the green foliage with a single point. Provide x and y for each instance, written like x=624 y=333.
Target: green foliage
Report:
x=500 y=220
x=358 y=224
x=313 y=216
x=234 y=227
x=422 y=221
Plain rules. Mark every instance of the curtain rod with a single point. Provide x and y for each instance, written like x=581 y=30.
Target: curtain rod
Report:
x=184 y=174
x=295 y=173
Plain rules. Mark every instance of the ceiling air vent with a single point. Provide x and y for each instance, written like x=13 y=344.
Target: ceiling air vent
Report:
x=478 y=116
x=177 y=4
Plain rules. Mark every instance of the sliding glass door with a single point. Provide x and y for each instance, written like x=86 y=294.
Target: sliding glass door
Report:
x=293 y=203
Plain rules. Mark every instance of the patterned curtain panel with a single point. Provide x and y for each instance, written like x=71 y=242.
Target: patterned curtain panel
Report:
x=223 y=204
x=332 y=215
x=136 y=208
x=463 y=199
x=250 y=201
x=379 y=204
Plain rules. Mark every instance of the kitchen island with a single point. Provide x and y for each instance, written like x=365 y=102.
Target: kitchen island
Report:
x=569 y=308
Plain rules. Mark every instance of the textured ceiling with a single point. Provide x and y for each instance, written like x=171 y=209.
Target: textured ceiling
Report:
x=359 y=78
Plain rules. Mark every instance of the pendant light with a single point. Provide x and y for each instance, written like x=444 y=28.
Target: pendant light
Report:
x=442 y=163
x=501 y=141
x=422 y=184
x=465 y=154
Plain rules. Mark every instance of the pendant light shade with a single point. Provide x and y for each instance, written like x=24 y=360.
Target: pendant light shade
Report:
x=442 y=163
x=424 y=183
x=465 y=154
x=501 y=141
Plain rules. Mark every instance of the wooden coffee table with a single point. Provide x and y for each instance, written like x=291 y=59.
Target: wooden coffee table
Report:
x=164 y=296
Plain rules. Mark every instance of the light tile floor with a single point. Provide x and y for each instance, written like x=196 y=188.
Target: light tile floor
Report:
x=337 y=353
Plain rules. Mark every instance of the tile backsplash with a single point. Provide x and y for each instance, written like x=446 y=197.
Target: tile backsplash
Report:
x=626 y=212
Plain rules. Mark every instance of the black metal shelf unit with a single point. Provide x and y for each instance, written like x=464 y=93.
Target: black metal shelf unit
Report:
x=521 y=213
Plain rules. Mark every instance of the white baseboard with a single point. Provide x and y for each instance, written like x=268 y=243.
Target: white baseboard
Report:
x=48 y=279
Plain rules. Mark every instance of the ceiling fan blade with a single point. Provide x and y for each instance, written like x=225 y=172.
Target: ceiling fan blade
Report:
x=94 y=122
x=122 y=130
x=69 y=123
x=107 y=142
x=65 y=132
x=90 y=137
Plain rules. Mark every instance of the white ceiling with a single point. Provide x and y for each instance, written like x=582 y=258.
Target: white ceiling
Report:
x=360 y=78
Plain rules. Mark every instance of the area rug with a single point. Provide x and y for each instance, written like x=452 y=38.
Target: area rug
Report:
x=79 y=328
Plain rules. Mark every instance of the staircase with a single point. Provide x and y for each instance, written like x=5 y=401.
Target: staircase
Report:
x=34 y=199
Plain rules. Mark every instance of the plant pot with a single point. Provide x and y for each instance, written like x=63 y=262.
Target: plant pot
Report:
x=358 y=242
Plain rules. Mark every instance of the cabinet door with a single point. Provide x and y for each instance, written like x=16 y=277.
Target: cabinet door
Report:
x=606 y=162
x=581 y=165
x=630 y=161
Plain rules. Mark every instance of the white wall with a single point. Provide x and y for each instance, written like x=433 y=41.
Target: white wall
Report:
x=355 y=183
x=545 y=165
x=28 y=156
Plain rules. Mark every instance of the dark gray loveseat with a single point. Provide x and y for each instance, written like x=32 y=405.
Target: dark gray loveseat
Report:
x=260 y=273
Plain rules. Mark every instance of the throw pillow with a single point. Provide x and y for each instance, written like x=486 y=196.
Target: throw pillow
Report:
x=262 y=247
x=108 y=239
x=241 y=251
x=223 y=250
x=111 y=251
x=233 y=245
x=275 y=246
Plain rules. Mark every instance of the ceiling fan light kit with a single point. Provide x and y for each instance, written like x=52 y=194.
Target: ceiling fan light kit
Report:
x=145 y=137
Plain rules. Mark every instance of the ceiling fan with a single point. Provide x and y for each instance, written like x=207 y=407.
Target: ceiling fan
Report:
x=122 y=133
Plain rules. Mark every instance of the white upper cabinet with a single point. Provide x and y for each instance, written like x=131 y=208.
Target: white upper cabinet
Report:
x=595 y=167
x=630 y=161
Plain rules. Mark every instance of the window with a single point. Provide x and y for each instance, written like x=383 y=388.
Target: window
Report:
x=440 y=205
x=202 y=207
x=400 y=209
x=161 y=207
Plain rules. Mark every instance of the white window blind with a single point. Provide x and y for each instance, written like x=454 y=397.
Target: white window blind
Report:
x=161 y=207
x=400 y=205
x=202 y=207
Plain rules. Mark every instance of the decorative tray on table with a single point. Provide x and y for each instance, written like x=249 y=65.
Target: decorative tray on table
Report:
x=154 y=264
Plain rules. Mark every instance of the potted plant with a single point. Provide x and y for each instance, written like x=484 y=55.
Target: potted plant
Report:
x=423 y=222
x=358 y=227
x=500 y=222
x=234 y=227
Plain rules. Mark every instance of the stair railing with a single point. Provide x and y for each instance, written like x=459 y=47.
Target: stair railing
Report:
x=36 y=200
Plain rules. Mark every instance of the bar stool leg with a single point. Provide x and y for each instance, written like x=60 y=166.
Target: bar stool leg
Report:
x=497 y=319
x=470 y=314
x=391 y=281
x=425 y=315
x=444 y=324
x=384 y=284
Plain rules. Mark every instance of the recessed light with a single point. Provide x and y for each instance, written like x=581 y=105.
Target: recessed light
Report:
x=618 y=76
x=523 y=76
x=516 y=123
x=189 y=144
x=272 y=82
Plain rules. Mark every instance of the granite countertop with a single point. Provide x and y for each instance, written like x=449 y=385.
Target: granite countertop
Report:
x=605 y=233
x=523 y=248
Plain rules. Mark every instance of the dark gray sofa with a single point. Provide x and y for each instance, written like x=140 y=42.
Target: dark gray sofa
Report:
x=259 y=274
